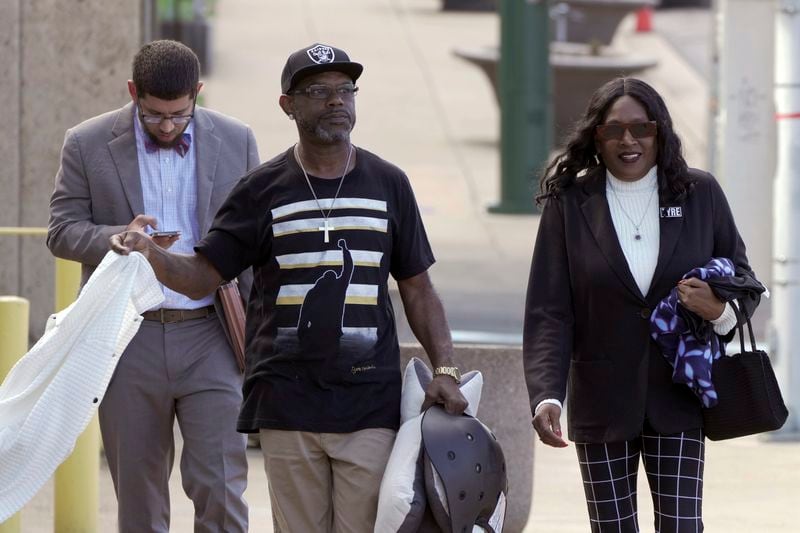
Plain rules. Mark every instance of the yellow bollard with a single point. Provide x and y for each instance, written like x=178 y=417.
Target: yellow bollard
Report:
x=77 y=479
x=13 y=345
x=68 y=281
x=76 y=485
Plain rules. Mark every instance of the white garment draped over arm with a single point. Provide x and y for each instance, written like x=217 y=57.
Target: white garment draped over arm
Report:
x=51 y=394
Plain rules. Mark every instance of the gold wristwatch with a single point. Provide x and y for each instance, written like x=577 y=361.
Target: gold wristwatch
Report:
x=451 y=371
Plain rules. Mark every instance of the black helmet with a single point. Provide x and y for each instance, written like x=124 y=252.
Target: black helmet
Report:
x=465 y=472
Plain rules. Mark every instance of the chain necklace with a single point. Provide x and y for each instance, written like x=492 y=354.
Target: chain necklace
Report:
x=638 y=235
x=326 y=227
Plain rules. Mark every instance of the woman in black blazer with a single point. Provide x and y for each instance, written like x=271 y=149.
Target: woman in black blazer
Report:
x=624 y=219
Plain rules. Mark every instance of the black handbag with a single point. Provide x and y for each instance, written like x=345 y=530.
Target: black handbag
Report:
x=750 y=400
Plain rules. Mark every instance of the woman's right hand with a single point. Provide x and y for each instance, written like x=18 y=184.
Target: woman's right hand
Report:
x=547 y=424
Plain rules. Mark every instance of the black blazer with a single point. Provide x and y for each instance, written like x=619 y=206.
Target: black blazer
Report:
x=587 y=325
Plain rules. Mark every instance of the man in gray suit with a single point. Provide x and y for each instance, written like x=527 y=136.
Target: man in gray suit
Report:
x=161 y=163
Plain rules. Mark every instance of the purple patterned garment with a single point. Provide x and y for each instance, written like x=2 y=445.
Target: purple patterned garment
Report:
x=691 y=353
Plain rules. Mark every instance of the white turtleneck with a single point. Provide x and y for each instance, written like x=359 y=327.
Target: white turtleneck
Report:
x=635 y=203
x=634 y=211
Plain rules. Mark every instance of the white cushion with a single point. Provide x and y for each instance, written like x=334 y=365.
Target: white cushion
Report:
x=402 y=498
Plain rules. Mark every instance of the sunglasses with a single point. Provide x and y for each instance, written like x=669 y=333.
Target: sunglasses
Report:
x=615 y=132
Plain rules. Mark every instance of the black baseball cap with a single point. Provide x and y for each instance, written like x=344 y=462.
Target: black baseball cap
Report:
x=315 y=59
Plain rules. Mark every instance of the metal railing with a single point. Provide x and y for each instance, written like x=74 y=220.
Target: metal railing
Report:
x=77 y=479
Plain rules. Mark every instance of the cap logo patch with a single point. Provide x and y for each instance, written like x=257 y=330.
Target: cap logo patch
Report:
x=321 y=54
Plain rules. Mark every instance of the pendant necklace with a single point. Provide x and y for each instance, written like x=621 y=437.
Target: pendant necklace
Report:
x=638 y=234
x=326 y=227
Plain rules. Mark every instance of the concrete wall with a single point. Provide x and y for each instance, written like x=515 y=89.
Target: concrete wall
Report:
x=505 y=410
x=61 y=62
x=9 y=142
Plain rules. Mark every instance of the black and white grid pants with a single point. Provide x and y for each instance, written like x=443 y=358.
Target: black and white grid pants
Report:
x=674 y=466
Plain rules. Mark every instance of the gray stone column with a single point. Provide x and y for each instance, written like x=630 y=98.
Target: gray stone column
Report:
x=61 y=63
x=9 y=143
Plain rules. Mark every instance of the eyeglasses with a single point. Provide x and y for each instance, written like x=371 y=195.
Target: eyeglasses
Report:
x=156 y=120
x=639 y=130
x=323 y=92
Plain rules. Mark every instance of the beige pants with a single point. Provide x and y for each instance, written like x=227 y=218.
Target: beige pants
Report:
x=325 y=482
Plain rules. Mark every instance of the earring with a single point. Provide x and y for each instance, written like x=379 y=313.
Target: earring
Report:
x=291 y=116
x=596 y=159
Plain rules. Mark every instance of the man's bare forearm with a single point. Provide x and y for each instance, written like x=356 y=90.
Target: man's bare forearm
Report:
x=426 y=317
x=192 y=275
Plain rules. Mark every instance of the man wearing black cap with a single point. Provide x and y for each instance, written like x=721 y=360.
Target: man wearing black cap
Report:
x=323 y=225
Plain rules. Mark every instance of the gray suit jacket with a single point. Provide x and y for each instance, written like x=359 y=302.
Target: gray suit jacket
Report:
x=98 y=190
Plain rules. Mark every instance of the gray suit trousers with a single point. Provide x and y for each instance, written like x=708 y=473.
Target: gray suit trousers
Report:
x=186 y=371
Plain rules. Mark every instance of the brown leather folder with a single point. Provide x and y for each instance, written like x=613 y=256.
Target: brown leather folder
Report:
x=233 y=307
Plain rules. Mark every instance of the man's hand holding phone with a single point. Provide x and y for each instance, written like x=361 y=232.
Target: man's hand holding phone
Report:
x=139 y=225
x=165 y=239
x=165 y=234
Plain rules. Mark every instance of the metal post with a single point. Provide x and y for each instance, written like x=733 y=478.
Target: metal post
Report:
x=77 y=479
x=13 y=345
x=525 y=116
x=786 y=241
x=714 y=82
x=744 y=144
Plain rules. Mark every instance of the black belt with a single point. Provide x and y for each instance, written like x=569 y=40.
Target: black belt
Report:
x=168 y=316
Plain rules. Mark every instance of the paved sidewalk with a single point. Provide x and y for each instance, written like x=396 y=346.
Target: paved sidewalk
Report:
x=436 y=117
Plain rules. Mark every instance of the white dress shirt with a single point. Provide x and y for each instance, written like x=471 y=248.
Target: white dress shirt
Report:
x=169 y=191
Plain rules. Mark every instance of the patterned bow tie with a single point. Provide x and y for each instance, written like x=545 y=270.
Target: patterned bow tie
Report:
x=181 y=147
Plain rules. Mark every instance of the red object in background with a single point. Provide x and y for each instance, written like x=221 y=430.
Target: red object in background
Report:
x=644 y=19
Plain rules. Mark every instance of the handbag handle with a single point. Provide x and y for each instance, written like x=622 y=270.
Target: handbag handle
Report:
x=739 y=315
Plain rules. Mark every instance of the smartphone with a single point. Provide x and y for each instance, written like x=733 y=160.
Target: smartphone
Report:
x=165 y=233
